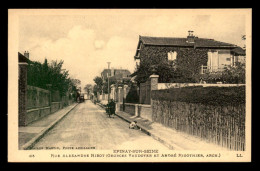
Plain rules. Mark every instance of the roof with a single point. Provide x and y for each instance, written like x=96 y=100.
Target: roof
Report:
x=183 y=42
x=22 y=58
x=117 y=72
x=239 y=51
x=171 y=41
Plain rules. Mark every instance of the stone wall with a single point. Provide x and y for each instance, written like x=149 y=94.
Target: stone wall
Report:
x=55 y=96
x=37 y=97
x=55 y=106
x=130 y=108
x=34 y=102
x=145 y=111
x=35 y=114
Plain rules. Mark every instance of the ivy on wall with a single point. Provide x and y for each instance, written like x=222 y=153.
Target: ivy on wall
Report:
x=186 y=68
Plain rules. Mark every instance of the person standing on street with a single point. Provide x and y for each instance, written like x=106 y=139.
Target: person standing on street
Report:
x=112 y=106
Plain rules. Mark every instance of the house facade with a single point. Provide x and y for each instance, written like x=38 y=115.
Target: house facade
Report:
x=200 y=55
x=118 y=74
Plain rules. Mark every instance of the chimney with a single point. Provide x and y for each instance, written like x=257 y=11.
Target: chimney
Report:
x=26 y=54
x=112 y=72
x=108 y=63
x=190 y=37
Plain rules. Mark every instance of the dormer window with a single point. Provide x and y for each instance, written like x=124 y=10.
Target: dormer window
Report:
x=172 y=55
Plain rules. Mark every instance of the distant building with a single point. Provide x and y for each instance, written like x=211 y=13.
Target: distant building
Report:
x=118 y=74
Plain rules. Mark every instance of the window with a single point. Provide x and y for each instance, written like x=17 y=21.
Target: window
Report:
x=172 y=55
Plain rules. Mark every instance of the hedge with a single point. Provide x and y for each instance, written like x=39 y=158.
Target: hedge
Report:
x=205 y=95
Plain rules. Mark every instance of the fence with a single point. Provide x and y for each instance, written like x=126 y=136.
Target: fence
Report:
x=145 y=92
x=222 y=125
x=146 y=88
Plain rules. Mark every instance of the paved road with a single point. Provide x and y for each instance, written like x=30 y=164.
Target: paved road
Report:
x=88 y=126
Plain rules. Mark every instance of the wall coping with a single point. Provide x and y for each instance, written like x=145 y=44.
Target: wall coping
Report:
x=55 y=102
x=178 y=85
x=37 y=88
x=134 y=104
x=144 y=105
x=131 y=104
x=154 y=76
x=23 y=63
x=31 y=110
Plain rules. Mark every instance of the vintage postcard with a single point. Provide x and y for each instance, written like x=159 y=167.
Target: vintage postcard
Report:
x=129 y=85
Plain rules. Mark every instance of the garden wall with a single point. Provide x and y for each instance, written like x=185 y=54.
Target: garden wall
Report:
x=38 y=104
x=130 y=108
x=140 y=110
x=37 y=97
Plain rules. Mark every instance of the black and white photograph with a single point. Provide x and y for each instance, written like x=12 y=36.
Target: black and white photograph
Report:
x=129 y=85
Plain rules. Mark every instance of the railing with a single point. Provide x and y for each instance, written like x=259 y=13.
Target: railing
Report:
x=211 y=69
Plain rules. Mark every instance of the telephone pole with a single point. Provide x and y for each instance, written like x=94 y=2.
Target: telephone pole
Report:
x=108 y=95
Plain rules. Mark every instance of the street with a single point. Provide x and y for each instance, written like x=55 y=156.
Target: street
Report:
x=87 y=126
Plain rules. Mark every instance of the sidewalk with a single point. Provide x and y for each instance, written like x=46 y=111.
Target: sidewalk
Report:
x=169 y=137
x=33 y=132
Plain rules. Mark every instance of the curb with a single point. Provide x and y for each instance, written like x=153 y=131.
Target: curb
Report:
x=29 y=145
x=146 y=131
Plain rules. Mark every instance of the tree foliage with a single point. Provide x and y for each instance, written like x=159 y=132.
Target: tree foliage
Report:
x=44 y=74
x=112 y=80
x=88 y=88
x=98 y=86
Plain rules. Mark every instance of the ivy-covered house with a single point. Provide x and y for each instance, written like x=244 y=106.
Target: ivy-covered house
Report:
x=189 y=56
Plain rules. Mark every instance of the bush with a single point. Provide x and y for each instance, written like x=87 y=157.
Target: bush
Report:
x=230 y=75
x=132 y=96
x=234 y=74
x=205 y=95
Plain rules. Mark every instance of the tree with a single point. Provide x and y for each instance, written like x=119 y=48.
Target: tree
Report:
x=98 y=85
x=163 y=69
x=112 y=80
x=77 y=83
x=41 y=75
x=88 y=88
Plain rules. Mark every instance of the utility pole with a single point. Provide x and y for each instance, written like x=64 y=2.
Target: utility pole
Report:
x=108 y=95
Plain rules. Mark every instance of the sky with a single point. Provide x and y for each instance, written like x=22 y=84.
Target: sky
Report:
x=86 y=42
